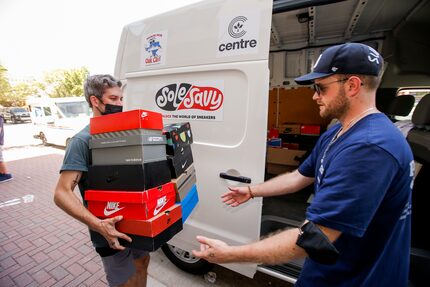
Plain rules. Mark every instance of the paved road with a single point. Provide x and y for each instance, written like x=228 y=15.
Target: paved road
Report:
x=42 y=246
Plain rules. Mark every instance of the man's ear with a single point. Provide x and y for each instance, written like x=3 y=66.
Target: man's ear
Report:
x=353 y=85
x=95 y=102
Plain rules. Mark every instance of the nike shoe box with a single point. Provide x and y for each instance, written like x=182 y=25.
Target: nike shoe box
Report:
x=153 y=243
x=144 y=242
x=181 y=161
x=129 y=177
x=189 y=203
x=129 y=120
x=130 y=149
x=153 y=226
x=141 y=205
x=184 y=183
x=178 y=135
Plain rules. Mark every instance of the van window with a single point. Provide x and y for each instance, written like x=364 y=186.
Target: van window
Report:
x=38 y=112
x=74 y=109
x=47 y=111
x=418 y=95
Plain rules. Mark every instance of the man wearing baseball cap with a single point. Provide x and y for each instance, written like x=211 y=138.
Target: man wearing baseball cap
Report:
x=357 y=227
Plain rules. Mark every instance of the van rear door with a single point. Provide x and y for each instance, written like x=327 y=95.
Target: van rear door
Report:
x=207 y=64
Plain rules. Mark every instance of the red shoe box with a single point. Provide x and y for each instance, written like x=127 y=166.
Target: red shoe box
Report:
x=310 y=130
x=153 y=226
x=153 y=243
x=131 y=205
x=134 y=119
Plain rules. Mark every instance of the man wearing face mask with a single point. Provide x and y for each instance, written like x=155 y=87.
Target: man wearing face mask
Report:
x=123 y=266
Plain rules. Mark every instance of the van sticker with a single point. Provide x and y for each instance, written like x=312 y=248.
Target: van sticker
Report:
x=154 y=49
x=238 y=34
x=197 y=101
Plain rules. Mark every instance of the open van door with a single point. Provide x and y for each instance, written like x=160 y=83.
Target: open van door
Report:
x=207 y=64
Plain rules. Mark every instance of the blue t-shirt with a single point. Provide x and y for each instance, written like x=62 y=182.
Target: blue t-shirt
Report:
x=363 y=189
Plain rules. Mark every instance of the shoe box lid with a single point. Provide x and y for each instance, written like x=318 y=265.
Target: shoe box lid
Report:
x=127 y=140
x=180 y=162
x=178 y=135
x=135 y=177
x=126 y=133
x=123 y=155
x=128 y=120
x=152 y=226
x=131 y=205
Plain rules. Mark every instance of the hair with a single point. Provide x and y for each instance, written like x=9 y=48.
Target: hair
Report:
x=96 y=85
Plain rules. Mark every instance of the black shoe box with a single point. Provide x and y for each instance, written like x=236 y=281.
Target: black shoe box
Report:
x=129 y=177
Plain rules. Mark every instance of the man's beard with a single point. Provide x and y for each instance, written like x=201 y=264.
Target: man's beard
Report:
x=337 y=108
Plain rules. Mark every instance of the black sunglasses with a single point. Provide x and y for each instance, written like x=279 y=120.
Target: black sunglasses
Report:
x=318 y=88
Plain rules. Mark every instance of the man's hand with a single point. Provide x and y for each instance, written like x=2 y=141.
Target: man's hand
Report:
x=212 y=250
x=109 y=232
x=236 y=196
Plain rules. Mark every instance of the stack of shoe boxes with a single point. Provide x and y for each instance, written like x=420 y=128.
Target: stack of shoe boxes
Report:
x=130 y=176
x=179 y=139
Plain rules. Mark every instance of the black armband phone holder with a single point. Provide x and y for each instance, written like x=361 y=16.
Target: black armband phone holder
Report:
x=316 y=244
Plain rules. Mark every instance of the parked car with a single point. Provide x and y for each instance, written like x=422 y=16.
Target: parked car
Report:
x=16 y=115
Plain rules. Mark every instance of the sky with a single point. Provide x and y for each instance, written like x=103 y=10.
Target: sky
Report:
x=45 y=35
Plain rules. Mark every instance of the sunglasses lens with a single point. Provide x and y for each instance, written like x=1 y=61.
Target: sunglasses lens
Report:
x=316 y=88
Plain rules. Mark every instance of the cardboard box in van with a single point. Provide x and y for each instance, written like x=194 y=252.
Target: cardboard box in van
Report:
x=284 y=156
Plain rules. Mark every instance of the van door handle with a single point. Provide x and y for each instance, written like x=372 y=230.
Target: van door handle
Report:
x=243 y=179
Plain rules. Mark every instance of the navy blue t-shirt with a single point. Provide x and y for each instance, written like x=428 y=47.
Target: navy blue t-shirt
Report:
x=363 y=189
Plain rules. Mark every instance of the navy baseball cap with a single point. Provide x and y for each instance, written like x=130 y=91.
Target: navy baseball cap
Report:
x=349 y=58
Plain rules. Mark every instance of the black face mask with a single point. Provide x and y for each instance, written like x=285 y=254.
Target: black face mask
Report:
x=112 y=109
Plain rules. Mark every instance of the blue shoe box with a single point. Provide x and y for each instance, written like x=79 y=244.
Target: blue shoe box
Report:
x=189 y=202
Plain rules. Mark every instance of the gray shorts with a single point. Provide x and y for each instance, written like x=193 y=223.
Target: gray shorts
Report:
x=120 y=266
x=1 y=154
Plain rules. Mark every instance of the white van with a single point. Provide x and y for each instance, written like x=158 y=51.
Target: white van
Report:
x=228 y=67
x=57 y=120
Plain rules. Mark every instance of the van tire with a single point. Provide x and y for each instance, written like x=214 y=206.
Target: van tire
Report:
x=182 y=260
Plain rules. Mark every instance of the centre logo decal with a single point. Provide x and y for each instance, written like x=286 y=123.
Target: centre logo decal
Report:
x=236 y=27
x=239 y=34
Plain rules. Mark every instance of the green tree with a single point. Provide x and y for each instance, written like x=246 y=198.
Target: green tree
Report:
x=21 y=91
x=4 y=86
x=66 y=83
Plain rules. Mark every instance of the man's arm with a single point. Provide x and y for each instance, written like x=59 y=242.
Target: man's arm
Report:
x=67 y=200
x=283 y=184
x=278 y=248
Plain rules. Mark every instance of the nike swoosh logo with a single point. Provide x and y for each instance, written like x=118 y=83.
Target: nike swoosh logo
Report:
x=109 y=212
x=158 y=208
x=185 y=163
